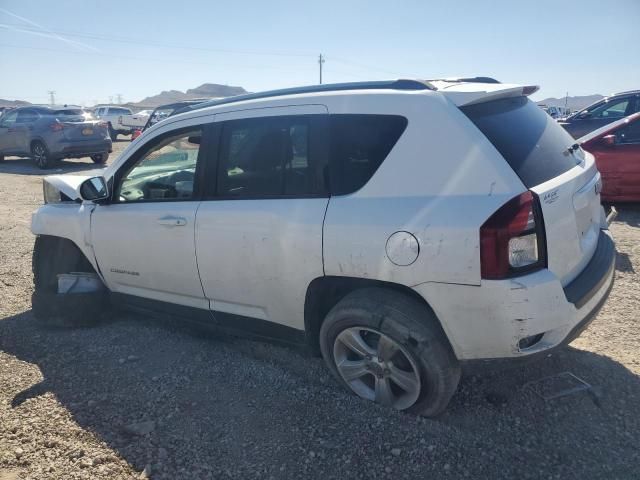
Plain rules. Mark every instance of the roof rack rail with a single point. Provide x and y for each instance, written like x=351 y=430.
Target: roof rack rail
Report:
x=465 y=80
x=402 y=84
x=625 y=92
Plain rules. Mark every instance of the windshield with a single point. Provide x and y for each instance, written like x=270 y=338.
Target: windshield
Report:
x=533 y=143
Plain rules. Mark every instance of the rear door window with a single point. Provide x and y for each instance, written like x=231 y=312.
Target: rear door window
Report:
x=630 y=133
x=271 y=156
x=533 y=143
x=359 y=145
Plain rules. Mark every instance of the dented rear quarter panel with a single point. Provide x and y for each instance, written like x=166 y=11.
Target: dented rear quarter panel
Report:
x=440 y=182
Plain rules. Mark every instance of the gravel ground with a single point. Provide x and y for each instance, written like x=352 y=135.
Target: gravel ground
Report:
x=138 y=398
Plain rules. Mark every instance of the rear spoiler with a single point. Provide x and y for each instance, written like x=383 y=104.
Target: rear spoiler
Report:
x=468 y=93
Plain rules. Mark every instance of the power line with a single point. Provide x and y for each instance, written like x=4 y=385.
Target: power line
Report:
x=145 y=59
x=135 y=41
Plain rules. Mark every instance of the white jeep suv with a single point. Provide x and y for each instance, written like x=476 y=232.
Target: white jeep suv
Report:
x=403 y=229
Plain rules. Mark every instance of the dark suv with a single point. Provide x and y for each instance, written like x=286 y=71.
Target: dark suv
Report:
x=47 y=134
x=601 y=113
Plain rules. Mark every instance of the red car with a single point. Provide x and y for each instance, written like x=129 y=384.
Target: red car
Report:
x=617 y=150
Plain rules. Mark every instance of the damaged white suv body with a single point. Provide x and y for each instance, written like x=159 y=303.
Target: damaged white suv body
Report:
x=402 y=229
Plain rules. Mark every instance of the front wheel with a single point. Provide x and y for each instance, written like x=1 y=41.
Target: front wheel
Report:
x=389 y=348
x=41 y=155
x=53 y=256
x=100 y=158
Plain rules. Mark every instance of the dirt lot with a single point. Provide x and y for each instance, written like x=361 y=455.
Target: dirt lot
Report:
x=136 y=398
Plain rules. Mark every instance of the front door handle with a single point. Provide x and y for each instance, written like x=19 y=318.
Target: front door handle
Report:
x=172 y=221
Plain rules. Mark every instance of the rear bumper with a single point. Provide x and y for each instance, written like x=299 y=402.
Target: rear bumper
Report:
x=68 y=148
x=487 y=322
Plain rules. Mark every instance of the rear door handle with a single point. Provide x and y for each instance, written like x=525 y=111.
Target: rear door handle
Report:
x=172 y=221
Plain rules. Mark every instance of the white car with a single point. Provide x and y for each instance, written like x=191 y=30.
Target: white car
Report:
x=113 y=117
x=403 y=229
x=136 y=120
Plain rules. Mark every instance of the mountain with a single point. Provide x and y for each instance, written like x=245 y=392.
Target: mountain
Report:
x=12 y=103
x=573 y=103
x=206 y=90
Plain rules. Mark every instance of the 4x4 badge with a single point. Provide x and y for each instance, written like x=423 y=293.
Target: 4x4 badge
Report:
x=550 y=197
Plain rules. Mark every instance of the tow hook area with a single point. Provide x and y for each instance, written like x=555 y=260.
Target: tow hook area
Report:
x=611 y=216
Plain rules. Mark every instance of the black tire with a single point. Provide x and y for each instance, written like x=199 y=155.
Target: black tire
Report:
x=113 y=134
x=40 y=154
x=409 y=323
x=100 y=158
x=52 y=256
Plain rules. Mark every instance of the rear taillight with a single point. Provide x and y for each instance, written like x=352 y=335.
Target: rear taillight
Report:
x=56 y=127
x=512 y=239
x=102 y=124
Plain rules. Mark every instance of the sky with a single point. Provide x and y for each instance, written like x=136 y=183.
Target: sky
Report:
x=90 y=51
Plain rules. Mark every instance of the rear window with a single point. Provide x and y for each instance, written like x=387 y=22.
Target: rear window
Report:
x=531 y=141
x=359 y=145
x=119 y=111
x=69 y=115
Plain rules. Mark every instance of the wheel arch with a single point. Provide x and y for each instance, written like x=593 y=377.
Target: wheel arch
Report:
x=37 y=139
x=69 y=222
x=323 y=293
x=59 y=246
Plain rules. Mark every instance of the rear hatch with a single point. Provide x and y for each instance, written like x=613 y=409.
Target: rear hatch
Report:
x=76 y=127
x=551 y=165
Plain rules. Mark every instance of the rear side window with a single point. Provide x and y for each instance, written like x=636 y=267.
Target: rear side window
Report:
x=359 y=145
x=532 y=142
x=271 y=156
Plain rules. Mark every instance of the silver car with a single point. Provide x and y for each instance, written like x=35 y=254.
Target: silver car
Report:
x=47 y=134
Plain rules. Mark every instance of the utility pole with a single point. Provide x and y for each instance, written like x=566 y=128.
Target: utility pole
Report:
x=566 y=99
x=110 y=99
x=52 y=96
x=119 y=99
x=320 y=62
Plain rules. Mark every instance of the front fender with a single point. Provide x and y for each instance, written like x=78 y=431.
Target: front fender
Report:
x=68 y=220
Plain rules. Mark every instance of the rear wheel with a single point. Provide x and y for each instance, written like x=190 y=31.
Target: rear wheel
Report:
x=100 y=158
x=41 y=155
x=389 y=348
x=53 y=256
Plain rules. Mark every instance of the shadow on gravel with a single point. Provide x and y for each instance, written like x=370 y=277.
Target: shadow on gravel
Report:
x=26 y=166
x=193 y=405
x=629 y=213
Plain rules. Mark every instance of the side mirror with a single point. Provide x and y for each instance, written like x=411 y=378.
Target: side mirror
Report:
x=93 y=189
x=609 y=140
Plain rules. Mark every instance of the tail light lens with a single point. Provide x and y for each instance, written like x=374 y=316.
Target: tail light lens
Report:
x=102 y=124
x=56 y=127
x=512 y=239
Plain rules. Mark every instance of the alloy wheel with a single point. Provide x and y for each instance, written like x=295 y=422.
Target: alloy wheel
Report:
x=376 y=367
x=40 y=155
